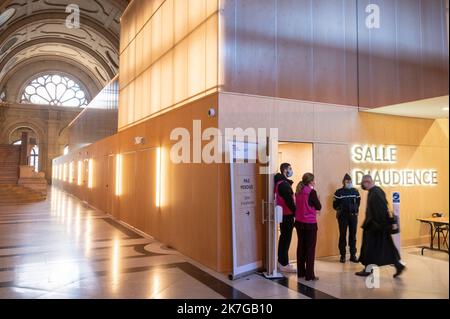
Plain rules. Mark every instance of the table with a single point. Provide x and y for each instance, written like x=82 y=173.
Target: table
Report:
x=438 y=225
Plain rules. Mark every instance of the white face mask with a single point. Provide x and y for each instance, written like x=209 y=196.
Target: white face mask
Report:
x=349 y=185
x=289 y=173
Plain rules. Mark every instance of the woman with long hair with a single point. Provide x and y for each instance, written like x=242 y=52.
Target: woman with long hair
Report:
x=307 y=206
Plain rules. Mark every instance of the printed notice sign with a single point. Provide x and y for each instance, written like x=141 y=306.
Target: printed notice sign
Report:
x=246 y=223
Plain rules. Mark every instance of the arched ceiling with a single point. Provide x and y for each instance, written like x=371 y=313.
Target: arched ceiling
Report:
x=36 y=30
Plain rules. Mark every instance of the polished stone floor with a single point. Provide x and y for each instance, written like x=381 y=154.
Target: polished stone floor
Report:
x=62 y=248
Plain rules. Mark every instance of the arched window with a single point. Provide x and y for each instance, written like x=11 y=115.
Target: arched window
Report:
x=54 y=89
x=34 y=158
x=34 y=155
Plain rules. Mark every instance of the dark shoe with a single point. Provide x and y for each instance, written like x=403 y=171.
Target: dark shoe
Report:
x=354 y=259
x=300 y=276
x=312 y=279
x=342 y=260
x=363 y=273
x=400 y=269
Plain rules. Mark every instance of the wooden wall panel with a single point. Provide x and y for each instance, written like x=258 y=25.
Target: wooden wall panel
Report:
x=323 y=51
x=295 y=54
x=303 y=50
x=128 y=195
x=406 y=59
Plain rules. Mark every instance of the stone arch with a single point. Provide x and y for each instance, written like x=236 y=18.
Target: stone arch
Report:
x=16 y=78
x=32 y=124
x=13 y=136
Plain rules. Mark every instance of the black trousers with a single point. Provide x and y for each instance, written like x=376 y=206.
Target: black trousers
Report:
x=306 y=249
x=350 y=223
x=286 y=228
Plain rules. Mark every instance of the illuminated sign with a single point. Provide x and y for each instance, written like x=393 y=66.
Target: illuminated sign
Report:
x=380 y=154
x=374 y=154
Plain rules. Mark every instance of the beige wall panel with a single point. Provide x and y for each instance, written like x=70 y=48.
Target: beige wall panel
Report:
x=334 y=124
x=331 y=162
x=127 y=196
x=196 y=61
x=167 y=16
x=155 y=89
x=196 y=13
x=294 y=116
x=180 y=19
x=156 y=23
x=167 y=75
x=180 y=64
x=212 y=51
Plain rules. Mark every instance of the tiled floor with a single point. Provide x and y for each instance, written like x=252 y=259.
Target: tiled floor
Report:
x=62 y=248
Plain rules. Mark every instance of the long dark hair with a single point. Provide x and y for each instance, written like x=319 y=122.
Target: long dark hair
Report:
x=306 y=180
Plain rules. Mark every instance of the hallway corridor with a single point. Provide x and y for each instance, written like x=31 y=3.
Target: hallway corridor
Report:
x=62 y=248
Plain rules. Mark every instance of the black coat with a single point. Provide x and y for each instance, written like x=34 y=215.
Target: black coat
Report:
x=377 y=245
x=346 y=202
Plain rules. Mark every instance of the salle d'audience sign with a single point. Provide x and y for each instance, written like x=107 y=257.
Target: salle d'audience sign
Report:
x=380 y=154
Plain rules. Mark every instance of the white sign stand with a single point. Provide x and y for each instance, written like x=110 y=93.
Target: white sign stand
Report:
x=274 y=216
x=239 y=152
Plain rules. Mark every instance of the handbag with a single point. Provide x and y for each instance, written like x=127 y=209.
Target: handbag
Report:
x=394 y=225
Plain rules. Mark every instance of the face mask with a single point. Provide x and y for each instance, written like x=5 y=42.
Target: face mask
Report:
x=289 y=173
x=349 y=186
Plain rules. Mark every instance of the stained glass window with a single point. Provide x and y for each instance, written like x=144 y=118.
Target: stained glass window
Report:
x=53 y=89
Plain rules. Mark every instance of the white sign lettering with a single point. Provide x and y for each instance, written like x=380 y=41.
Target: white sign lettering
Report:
x=374 y=154
x=381 y=154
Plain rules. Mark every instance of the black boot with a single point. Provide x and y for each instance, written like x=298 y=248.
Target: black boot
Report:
x=354 y=259
x=399 y=269
x=342 y=260
x=363 y=273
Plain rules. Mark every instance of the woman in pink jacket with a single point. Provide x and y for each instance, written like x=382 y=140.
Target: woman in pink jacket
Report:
x=307 y=205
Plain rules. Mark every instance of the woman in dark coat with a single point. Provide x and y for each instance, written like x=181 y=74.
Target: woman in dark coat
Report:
x=377 y=245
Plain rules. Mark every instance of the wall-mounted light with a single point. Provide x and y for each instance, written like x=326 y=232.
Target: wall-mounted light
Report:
x=79 y=172
x=90 y=173
x=71 y=172
x=118 y=174
x=158 y=177
x=65 y=172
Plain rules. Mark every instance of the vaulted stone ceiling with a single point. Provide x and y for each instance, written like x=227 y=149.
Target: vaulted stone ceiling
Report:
x=33 y=34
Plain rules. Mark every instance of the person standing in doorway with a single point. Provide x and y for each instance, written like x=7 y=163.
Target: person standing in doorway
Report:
x=377 y=247
x=284 y=197
x=308 y=205
x=346 y=202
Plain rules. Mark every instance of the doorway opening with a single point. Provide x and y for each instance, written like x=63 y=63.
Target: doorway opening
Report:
x=301 y=157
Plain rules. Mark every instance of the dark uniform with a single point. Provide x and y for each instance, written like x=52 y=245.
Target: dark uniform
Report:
x=346 y=203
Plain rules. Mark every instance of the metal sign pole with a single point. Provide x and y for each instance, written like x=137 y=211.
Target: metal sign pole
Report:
x=271 y=215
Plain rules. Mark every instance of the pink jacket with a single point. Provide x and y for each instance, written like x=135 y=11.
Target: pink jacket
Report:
x=305 y=213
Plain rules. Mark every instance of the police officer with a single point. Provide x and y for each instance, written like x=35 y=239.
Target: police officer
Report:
x=346 y=202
